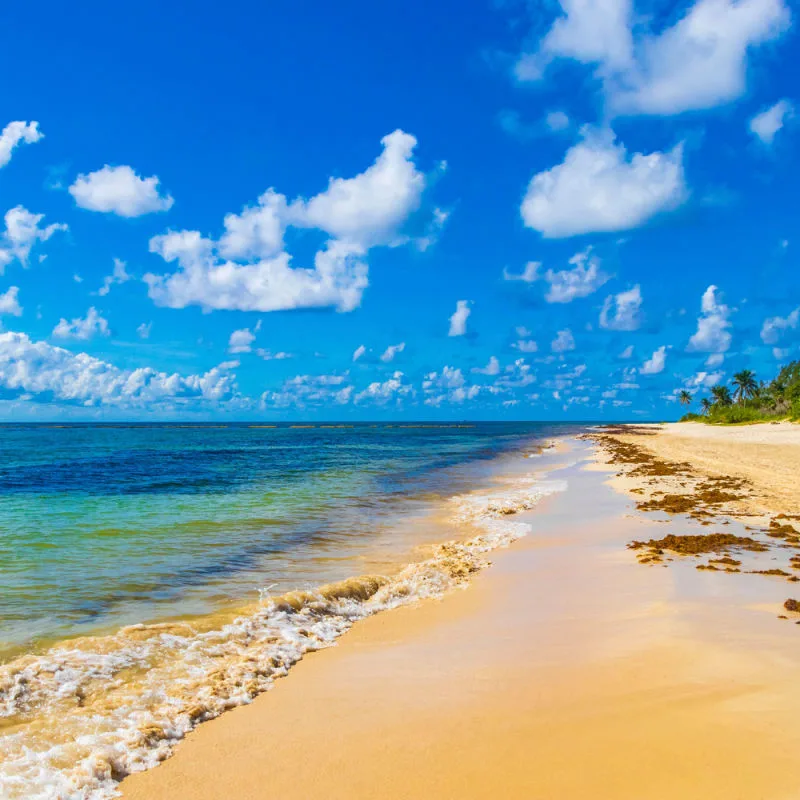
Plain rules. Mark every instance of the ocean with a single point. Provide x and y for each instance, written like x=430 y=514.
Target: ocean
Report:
x=152 y=576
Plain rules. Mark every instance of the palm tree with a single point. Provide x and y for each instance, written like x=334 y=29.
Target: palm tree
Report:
x=685 y=398
x=721 y=395
x=746 y=385
x=705 y=404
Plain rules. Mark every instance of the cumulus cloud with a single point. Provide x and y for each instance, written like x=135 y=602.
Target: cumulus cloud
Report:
x=713 y=325
x=766 y=124
x=22 y=232
x=515 y=376
x=448 y=385
x=9 y=302
x=599 y=188
x=491 y=368
x=241 y=341
x=310 y=390
x=248 y=268
x=14 y=134
x=622 y=312
x=391 y=351
x=383 y=392
x=83 y=328
x=41 y=369
x=143 y=331
x=563 y=342
x=526 y=345
x=118 y=275
x=257 y=232
x=774 y=327
x=458 y=320
x=583 y=279
x=656 y=363
x=119 y=190
x=627 y=352
x=698 y=62
x=369 y=208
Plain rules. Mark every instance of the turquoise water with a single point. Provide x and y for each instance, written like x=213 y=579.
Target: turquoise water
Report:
x=106 y=525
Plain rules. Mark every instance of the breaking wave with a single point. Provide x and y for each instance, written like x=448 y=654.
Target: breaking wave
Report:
x=78 y=718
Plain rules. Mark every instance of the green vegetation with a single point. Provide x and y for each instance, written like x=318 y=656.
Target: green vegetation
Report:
x=751 y=400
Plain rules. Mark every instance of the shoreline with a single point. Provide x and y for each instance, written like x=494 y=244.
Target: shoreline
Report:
x=174 y=676
x=567 y=652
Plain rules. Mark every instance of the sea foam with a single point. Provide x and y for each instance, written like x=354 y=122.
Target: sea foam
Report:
x=78 y=718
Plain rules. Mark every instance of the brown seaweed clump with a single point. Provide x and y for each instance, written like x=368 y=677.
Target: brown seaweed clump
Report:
x=782 y=530
x=792 y=605
x=670 y=503
x=694 y=545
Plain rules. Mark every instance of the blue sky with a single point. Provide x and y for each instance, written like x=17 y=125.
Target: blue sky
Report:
x=378 y=211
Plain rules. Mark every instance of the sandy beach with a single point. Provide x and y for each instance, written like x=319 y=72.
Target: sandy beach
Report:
x=566 y=670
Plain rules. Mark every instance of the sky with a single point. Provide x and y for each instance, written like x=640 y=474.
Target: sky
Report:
x=442 y=211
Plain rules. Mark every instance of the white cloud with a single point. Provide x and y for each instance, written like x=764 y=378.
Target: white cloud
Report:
x=391 y=351
x=119 y=190
x=358 y=352
x=598 y=188
x=713 y=334
x=557 y=121
x=248 y=268
x=241 y=341
x=39 y=368
x=626 y=308
x=433 y=230
x=656 y=362
x=529 y=274
x=458 y=320
x=22 y=232
x=368 y=209
x=258 y=231
x=338 y=278
x=766 y=124
x=492 y=368
x=701 y=61
x=118 y=275
x=268 y=355
x=698 y=62
x=627 y=352
x=448 y=385
x=310 y=390
x=15 y=133
x=704 y=380
x=83 y=328
x=516 y=375
x=563 y=342
x=384 y=392
x=143 y=331
x=9 y=302
x=774 y=327
x=583 y=279
x=526 y=346
x=715 y=360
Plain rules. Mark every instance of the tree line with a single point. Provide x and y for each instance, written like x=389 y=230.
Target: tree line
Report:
x=747 y=399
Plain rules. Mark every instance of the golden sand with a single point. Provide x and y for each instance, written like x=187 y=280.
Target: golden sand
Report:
x=567 y=670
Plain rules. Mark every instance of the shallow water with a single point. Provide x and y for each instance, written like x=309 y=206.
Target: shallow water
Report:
x=105 y=527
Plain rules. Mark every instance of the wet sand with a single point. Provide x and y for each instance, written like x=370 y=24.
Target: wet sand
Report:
x=566 y=670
